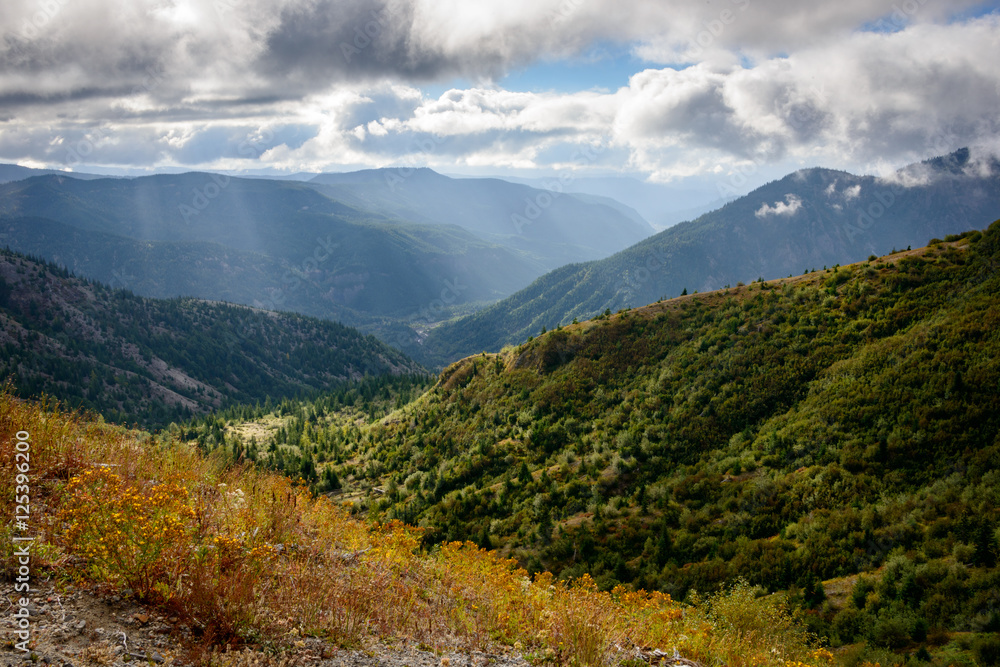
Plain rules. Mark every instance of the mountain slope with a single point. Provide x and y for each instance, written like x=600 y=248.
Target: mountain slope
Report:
x=806 y=220
x=555 y=228
x=153 y=361
x=787 y=433
x=276 y=244
x=154 y=538
x=661 y=204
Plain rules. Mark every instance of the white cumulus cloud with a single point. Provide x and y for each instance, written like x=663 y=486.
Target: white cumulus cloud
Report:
x=787 y=207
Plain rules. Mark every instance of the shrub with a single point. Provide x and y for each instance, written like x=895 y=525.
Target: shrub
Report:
x=756 y=629
x=862 y=587
x=891 y=631
x=987 y=649
x=132 y=534
x=223 y=589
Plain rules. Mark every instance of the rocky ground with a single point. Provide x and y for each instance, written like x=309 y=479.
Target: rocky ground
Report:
x=82 y=627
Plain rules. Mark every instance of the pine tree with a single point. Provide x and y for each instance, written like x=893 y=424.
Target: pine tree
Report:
x=986 y=546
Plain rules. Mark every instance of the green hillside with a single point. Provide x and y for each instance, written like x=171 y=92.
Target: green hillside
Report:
x=789 y=432
x=154 y=361
x=807 y=220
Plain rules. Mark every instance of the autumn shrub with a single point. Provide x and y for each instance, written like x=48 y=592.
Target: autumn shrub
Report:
x=225 y=585
x=744 y=629
x=585 y=623
x=575 y=623
x=342 y=601
x=129 y=533
x=490 y=596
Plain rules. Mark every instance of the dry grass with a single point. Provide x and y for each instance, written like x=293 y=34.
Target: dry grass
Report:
x=252 y=556
x=101 y=654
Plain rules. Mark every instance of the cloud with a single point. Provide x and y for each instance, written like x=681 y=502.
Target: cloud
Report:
x=305 y=46
x=978 y=161
x=788 y=207
x=848 y=193
x=729 y=85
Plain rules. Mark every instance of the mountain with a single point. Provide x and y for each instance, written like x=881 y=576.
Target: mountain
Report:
x=277 y=244
x=661 y=204
x=154 y=361
x=809 y=219
x=13 y=172
x=553 y=227
x=787 y=433
x=299 y=247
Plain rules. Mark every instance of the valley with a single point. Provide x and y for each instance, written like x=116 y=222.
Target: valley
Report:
x=825 y=441
x=784 y=433
x=406 y=333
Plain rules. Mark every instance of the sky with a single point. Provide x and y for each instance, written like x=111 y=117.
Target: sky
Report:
x=668 y=91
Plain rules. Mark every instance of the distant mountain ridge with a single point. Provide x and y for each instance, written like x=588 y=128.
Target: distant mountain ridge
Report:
x=14 y=172
x=287 y=245
x=809 y=219
x=660 y=204
x=550 y=226
x=275 y=244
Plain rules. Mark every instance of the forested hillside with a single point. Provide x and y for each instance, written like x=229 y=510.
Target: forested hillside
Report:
x=154 y=361
x=788 y=432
